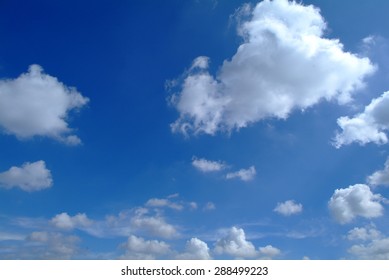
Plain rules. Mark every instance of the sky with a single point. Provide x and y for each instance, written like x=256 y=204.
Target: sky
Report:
x=197 y=129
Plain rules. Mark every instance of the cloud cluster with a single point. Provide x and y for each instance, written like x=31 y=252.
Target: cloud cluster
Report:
x=288 y=208
x=368 y=126
x=138 y=248
x=37 y=104
x=374 y=246
x=195 y=249
x=356 y=200
x=29 y=177
x=283 y=64
x=66 y=222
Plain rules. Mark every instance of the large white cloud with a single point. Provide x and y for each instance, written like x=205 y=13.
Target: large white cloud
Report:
x=195 y=249
x=29 y=177
x=37 y=104
x=138 y=248
x=284 y=63
x=288 y=208
x=380 y=177
x=368 y=126
x=357 y=200
x=234 y=243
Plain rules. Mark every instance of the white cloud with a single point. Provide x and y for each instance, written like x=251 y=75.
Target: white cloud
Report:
x=29 y=177
x=37 y=104
x=374 y=245
x=139 y=249
x=366 y=127
x=162 y=202
x=357 y=200
x=49 y=245
x=195 y=249
x=364 y=233
x=234 y=243
x=288 y=208
x=66 y=222
x=268 y=252
x=380 y=177
x=243 y=174
x=283 y=64
x=205 y=165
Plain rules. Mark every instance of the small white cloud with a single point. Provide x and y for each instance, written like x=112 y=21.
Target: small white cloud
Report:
x=209 y=206
x=243 y=174
x=37 y=104
x=66 y=222
x=368 y=126
x=139 y=249
x=29 y=177
x=195 y=249
x=268 y=252
x=161 y=202
x=284 y=63
x=364 y=233
x=234 y=243
x=377 y=249
x=357 y=200
x=288 y=208
x=205 y=165
x=380 y=177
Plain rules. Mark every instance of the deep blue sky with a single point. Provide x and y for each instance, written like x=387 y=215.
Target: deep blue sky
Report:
x=121 y=55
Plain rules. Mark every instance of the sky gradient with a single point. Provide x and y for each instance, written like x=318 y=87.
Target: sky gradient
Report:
x=197 y=129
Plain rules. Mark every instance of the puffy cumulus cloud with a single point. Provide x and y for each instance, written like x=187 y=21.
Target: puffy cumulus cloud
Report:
x=288 y=208
x=195 y=249
x=380 y=177
x=368 y=126
x=284 y=63
x=268 y=252
x=37 y=104
x=375 y=250
x=29 y=177
x=243 y=174
x=153 y=225
x=205 y=165
x=66 y=222
x=364 y=233
x=374 y=245
x=356 y=200
x=234 y=243
x=138 y=248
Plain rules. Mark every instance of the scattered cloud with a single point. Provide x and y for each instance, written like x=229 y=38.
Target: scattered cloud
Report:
x=209 y=206
x=195 y=249
x=288 y=208
x=29 y=177
x=366 y=127
x=380 y=177
x=356 y=200
x=258 y=82
x=138 y=248
x=205 y=165
x=66 y=222
x=243 y=174
x=364 y=233
x=37 y=104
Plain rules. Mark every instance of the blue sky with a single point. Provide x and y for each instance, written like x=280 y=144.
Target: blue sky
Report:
x=194 y=130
